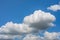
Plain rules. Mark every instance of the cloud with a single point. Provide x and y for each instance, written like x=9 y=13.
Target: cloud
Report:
x=32 y=37
x=55 y=7
x=14 y=28
x=52 y=35
x=47 y=36
x=6 y=37
x=9 y=37
x=40 y=20
x=11 y=30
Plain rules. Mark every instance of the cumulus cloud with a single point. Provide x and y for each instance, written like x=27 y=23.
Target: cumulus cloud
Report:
x=40 y=20
x=47 y=36
x=55 y=7
x=32 y=37
x=14 y=28
x=52 y=35
x=10 y=30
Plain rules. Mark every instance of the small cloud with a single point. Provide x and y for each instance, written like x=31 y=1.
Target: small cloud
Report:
x=55 y=7
x=52 y=35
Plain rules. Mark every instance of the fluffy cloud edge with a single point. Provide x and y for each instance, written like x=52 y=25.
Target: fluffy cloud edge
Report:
x=40 y=19
x=55 y=7
x=26 y=27
x=47 y=36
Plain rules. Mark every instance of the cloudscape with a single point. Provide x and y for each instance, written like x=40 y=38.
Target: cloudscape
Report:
x=29 y=20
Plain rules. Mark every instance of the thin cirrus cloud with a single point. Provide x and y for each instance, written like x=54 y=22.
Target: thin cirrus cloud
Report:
x=39 y=20
x=55 y=7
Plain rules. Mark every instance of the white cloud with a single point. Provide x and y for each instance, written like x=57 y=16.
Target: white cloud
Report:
x=11 y=30
x=32 y=37
x=9 y=37
x=6 y=37
x=40 y=20
x=47 y=36
x=55 y=7
x=52 y=35
x=14 y=28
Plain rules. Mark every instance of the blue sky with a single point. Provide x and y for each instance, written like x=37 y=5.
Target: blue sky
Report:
x=16 y=10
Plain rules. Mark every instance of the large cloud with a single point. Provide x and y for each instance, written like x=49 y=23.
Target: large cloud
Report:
x=55 y=7
x=40 y=20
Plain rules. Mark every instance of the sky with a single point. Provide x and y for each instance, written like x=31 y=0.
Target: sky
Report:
x=18 y=11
